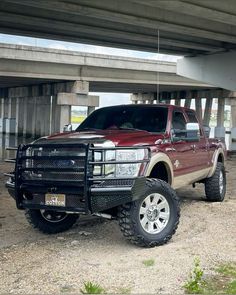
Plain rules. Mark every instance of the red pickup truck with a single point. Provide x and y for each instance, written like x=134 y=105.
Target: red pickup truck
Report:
x=122 y=162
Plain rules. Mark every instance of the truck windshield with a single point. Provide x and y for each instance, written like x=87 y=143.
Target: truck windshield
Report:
x=148 y=118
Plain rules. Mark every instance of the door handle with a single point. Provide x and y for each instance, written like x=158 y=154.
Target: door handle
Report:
x=170 y=149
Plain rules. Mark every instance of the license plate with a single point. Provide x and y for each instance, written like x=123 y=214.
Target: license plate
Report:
x=55 y=200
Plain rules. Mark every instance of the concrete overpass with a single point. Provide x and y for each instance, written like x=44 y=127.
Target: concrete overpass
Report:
x=186 y=27
x=202 y=28
x=36 y=81
x=27 y=65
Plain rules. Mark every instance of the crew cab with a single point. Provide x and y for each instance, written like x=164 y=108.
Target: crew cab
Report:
x=122 y=162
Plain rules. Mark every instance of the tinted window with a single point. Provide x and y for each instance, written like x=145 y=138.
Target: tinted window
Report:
x=178 y=121
x=152 y=119
x=191 y=117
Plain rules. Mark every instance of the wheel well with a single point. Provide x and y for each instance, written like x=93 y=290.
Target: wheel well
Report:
x=161 y=171
x=220 y=158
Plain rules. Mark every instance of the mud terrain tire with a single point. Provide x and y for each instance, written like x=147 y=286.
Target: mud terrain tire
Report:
x=59 y=221
x=153 y=219
x=215 y=186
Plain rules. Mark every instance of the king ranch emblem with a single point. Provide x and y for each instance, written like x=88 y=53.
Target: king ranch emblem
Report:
x=176 y=163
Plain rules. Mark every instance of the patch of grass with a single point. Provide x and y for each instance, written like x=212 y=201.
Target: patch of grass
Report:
x=227 y=269
x=66 y=289
x=195 y=283
x=231 y=287
x=124 y=290
x=223 y=282
x=92 y=288
x=148 y=262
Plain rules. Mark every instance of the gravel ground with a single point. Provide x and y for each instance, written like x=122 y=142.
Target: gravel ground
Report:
x=31 y=262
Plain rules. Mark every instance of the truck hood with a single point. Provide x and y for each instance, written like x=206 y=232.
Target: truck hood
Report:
x=118 y=137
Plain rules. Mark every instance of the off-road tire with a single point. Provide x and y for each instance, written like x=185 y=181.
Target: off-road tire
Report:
x=129 y=220
x=37 y=221
x=212 y=185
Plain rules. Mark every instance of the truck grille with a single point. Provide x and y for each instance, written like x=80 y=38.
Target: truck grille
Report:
x=54 y=163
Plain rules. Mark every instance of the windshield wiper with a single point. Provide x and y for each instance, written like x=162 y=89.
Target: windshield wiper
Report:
x=88 y=128
x=131 y=128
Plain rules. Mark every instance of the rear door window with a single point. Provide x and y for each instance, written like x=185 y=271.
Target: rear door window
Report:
x=192 y=117
x=179 y=123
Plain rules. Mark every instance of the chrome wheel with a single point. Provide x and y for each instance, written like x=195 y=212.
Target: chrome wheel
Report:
x=221 y=182
x=53 y=216
x=154 y=213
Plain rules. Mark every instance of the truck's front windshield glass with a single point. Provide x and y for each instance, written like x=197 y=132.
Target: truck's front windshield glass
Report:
x=148 y=118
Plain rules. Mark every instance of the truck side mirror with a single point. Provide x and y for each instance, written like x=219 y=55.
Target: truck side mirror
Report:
x=67 y=128
x=207 y=130
x=192 y=132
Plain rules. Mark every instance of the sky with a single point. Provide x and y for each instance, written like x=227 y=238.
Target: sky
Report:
x=106 y=99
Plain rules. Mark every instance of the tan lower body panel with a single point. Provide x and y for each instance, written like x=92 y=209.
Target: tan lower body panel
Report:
x=190 y=178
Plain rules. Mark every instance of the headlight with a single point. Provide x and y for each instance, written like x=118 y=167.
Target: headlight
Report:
x=120 y=170
x=129 y=169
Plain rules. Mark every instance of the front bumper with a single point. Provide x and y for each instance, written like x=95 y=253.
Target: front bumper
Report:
x=101 y=197
x=67 y=171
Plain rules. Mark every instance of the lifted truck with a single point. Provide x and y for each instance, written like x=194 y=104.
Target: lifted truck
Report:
x=122 y=162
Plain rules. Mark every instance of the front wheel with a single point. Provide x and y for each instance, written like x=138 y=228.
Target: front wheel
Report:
x=153 y=219
x=49 y=221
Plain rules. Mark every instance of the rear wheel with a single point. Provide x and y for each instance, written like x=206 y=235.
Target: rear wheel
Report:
x=153 y=219
x=49 y=221
x=215 y=186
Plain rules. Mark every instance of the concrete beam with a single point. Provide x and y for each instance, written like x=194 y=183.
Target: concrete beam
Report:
x=187 y=27
x=103 y=72
x=195 y=9
x=217 y=69
x=74 y=99
x=145 y=18
x=80 y=87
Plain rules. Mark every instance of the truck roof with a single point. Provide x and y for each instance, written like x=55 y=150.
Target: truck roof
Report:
x=150 y=106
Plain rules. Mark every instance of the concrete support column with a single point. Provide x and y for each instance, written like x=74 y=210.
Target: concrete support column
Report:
x=61 y=116
x=42 y=116
x=2 y=108
x=90 y=110
x=6 y=107
x=19 y=116
x=187 y=103
x=167 y=101
x=11 y=107
x=207 y=112
x=36 y=115
x=29 y=116
x=11 y=116
x=3 y=118
x=232 y=145
x=220 y=129
x=143 y=98
x=177 y=102
x=198 y=104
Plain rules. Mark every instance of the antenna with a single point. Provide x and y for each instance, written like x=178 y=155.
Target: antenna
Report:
x=158 y=74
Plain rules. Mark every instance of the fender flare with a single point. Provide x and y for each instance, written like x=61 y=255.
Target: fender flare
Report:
x=161 y=157
x=215 y=157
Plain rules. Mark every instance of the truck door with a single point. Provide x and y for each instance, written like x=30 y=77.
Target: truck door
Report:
x=182 y=153
x=200 y=148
